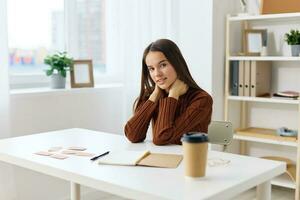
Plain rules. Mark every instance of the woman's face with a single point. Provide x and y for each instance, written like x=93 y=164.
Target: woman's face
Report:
x=160 y=69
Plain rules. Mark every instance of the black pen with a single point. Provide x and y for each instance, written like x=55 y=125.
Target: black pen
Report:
x=96 y=157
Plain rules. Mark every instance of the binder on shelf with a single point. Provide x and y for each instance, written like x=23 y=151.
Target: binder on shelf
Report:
x=246 y=78
x=260 y=78
x=241 y=78
x=234 y=78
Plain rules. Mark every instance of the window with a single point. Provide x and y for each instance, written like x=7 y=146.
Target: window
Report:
x=90 y=27
x=35 y=29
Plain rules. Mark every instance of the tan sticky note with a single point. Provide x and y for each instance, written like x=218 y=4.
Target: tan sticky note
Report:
x=80 y=153
x=59 y=156
x=71 y=152
x=43 y=153
x=52 y=149
x=77 y=148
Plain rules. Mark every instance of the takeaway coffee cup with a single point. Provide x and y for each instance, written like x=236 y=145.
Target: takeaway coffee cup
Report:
x=195 y=147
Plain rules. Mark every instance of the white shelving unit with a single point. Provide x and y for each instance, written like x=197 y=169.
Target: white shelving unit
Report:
x=263 y=100
x=277 y=17
x=284 y=181
x=265 y=58
x=264 y=140
x=243 y=135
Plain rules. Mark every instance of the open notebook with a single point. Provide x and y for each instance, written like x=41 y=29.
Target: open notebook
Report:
x=142 y=158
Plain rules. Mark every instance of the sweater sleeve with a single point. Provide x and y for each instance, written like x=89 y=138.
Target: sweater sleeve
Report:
x=137 y=126
x=168 y=130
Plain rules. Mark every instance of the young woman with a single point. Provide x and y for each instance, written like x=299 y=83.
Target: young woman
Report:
x=169 y=97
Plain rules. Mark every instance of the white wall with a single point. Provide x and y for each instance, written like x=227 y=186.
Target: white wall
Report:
x=220 y=11
x=195 y=39
x=96 y=109
x=6 y=171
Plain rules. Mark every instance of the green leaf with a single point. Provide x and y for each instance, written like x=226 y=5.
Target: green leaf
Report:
x=293 y=37
x=59 y=62
x=63 y=73
x=49 y=72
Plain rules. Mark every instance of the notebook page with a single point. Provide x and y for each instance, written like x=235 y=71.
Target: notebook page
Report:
x=123 y=157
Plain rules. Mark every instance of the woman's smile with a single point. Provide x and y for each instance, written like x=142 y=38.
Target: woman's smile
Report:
x=161 y=81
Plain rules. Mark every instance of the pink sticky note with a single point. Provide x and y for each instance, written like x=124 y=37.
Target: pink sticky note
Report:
x=43 y=153
x=59 y=156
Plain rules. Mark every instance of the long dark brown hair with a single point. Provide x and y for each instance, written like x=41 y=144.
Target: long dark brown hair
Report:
x=174 y=56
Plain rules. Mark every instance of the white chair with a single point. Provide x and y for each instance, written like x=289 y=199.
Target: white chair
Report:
x=220 y=132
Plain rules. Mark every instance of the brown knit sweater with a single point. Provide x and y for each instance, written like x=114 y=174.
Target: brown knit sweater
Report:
x=171 y=118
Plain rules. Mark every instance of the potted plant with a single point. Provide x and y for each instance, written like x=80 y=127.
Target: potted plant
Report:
x=59 y=64
x=293 y=39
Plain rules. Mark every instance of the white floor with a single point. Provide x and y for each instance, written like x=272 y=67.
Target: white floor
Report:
x=278 y=193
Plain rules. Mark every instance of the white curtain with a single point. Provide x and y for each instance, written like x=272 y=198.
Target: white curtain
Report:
x=7 y=190
x=132 y=25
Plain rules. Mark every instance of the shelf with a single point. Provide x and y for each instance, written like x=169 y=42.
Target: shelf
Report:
x=264 y=136
x=263 y=100
x=266 y=58
x=254 y=134
x=67 y=90
x=282 y=17
x=284 y=181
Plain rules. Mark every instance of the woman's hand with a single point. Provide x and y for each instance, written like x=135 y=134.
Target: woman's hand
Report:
x=156 y=94
x=177 y=89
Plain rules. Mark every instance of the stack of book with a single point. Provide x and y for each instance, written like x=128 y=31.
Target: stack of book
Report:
x=286 y=95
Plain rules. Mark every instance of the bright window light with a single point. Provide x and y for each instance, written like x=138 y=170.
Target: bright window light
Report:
x=35 y=29
x=38 y=28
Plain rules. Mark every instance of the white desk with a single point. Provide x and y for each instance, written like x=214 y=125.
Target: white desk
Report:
x=221 y=182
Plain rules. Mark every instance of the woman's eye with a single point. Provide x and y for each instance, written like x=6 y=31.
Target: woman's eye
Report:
x=163 y=65
x=150 y=69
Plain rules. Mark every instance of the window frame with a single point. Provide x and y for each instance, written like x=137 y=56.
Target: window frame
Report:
x=34 y=80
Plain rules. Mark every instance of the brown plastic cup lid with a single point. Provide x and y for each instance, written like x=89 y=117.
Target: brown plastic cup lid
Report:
x=194 y=137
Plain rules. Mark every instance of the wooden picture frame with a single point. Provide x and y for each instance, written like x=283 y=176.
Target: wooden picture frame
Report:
x=82 y=74
x=254 y=40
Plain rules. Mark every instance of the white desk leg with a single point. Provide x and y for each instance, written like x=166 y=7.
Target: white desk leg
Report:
x=75 y=191
x=263 y=191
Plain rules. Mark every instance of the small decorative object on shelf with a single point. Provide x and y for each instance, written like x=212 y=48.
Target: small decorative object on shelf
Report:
x=59 y=64
x=264 y=48
x=264 y=51
x=293 y=39
x=243 y=8
x=254 y=40
x=287 y=95
x=82 y=74
x=283 y=131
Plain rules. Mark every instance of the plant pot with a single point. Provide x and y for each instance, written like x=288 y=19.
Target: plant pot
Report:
x=57 y=81
x=295 y=50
